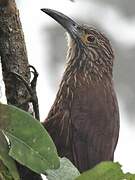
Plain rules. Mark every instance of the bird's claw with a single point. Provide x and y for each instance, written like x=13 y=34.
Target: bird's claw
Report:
x=31 y=87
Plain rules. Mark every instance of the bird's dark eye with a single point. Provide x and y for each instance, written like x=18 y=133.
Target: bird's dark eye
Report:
x=91 y=38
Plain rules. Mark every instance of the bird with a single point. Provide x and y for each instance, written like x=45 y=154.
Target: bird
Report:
x=84 y=118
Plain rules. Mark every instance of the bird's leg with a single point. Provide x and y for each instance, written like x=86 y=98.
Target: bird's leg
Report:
x=34 y=98
x=31 y=87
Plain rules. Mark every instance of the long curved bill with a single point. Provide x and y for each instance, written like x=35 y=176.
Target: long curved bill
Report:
x=70 y=25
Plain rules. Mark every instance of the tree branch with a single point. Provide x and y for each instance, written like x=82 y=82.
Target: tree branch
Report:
x=13 y=54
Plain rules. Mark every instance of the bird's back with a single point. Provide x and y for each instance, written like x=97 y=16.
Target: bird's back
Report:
x=86 y=130
x=95 y=124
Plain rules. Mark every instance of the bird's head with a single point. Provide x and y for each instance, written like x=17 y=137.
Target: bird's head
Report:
x=89 y=41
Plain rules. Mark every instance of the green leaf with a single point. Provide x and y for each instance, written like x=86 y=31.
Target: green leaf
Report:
x=30 y=143
x=6 y=159
x=67 y=171
x=106 y=171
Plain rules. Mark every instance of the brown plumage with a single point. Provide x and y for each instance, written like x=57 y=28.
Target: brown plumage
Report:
x=84 y=119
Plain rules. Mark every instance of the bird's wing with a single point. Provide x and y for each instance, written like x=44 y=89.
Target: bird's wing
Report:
x=59 y=127
x=95 y=126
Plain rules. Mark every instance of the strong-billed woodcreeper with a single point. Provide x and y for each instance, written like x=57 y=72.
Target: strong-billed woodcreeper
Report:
x=84 y=119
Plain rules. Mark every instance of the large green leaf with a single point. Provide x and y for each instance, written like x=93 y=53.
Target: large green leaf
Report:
x=30 y=143
x=7 y=164
x=106 y=171
x=67 y=171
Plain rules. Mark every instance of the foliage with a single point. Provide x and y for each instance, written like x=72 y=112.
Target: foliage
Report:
x=106 y=171
x=67 y=171
x=30 y=143
x=8 y=169
x=24 y=139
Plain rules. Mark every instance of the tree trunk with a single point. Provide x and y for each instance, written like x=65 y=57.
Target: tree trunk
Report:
x=14 y=59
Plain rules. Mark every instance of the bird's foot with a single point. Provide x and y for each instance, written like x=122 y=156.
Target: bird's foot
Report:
x=31 y=88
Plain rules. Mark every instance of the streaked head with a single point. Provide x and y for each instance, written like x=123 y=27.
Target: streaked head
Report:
x=88 y=39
